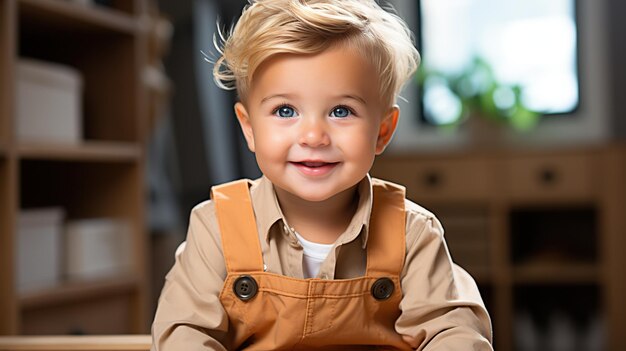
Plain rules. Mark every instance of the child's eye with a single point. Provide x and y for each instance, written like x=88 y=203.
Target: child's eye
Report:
x=341 y=112
x=285 y=111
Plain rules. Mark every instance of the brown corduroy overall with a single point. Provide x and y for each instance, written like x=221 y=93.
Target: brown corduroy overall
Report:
x=268 y=311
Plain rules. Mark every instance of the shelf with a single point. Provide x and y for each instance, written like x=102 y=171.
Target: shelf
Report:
x=70 y=292
x=82 y=342
x=543 y=272
x=64 y=15
x=101 y=175
x=93 y=151
x=102 y=46
x=6 y=74
x=548 y=234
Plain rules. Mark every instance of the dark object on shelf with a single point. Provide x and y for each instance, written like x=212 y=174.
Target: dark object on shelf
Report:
x=557 y=235
x=105 y=3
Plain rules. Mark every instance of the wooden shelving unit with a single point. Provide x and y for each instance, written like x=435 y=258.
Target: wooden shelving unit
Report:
x=100 y=177
x=538 y=272
x=6 y=43
x=67 y=16
x=541 y=231
x=87 y=151
x=76 y=291
x=8 y=321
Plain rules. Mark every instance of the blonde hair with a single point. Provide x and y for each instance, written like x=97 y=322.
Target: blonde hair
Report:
x=271 y=27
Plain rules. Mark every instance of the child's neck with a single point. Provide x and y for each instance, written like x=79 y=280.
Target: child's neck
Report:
x=320 y=221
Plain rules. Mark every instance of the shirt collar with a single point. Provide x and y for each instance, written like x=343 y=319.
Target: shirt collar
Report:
x=265 y=204
x=268 y=210
x=363 y=212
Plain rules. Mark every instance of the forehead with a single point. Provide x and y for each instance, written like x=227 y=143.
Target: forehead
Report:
x=336 y=71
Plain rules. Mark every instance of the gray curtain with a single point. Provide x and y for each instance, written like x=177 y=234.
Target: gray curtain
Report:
x=199 y=144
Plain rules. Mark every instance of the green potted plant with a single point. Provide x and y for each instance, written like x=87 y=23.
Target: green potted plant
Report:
x=475 y=94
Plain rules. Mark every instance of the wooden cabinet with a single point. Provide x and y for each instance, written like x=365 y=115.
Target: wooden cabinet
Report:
x=100 y=177
x=462 y=179
x=563 y=177
x=541 y=231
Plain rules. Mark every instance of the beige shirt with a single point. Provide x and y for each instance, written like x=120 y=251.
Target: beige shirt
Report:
x=441 y=306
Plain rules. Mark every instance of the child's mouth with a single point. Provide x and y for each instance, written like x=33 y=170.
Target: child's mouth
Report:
x=315 y=168
x=313 y=164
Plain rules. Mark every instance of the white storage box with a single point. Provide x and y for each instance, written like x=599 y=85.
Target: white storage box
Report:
x=38 y=253
x=96 y=248
x=49 y=102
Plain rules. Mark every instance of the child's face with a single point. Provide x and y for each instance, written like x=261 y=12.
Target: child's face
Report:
x=316 y=122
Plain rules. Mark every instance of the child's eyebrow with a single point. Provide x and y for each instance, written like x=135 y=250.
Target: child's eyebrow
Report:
x=290 y=96
x=355 y=97
x=282 y=96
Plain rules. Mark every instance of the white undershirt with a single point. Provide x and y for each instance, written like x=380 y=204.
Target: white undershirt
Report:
x=313 y=256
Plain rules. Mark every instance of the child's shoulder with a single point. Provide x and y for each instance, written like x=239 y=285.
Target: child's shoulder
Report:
x=411 y=208
x=204 y=211
x=421 y=224
x=417 y=217
x=207 y=207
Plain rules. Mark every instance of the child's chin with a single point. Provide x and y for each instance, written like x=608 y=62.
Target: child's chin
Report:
x=313 y=196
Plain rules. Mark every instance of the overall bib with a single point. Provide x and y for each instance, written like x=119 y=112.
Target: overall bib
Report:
x=269 y=311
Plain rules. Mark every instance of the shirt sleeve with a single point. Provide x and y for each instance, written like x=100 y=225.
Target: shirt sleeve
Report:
x=190 y=315
x=441 y=305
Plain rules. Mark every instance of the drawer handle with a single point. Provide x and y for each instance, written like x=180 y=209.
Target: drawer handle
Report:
x=548 y=176
x=432 y=179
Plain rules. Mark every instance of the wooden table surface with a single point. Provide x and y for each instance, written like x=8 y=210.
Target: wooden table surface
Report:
x=76 y=343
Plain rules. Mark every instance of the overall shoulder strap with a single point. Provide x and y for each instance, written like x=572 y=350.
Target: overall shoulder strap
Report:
x=240 y=240
x=386 y=239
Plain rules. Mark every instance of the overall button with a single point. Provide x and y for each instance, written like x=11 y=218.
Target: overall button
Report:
x=382 y=288
x=245 y=287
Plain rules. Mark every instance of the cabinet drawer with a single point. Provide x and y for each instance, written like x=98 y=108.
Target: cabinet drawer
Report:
x=439 y=180
x=550 y=177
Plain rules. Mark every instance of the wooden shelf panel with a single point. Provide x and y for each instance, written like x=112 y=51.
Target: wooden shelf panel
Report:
x=7 y=201
x=64 y=15
x=76 y=342
x=95 y=151
x=84 y=189
x=6 y=72
x=556 y=273
x=73 y=291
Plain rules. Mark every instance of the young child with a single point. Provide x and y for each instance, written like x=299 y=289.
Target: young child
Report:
x=316 y=254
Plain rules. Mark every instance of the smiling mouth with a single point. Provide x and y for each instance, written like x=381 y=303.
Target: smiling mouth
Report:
x=315 y=168
x=315 y=164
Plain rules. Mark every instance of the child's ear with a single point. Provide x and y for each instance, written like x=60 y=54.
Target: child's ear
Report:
x=244 y=122
x=387 y=128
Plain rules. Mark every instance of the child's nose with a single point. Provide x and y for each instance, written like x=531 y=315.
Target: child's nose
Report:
x=313 y=132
